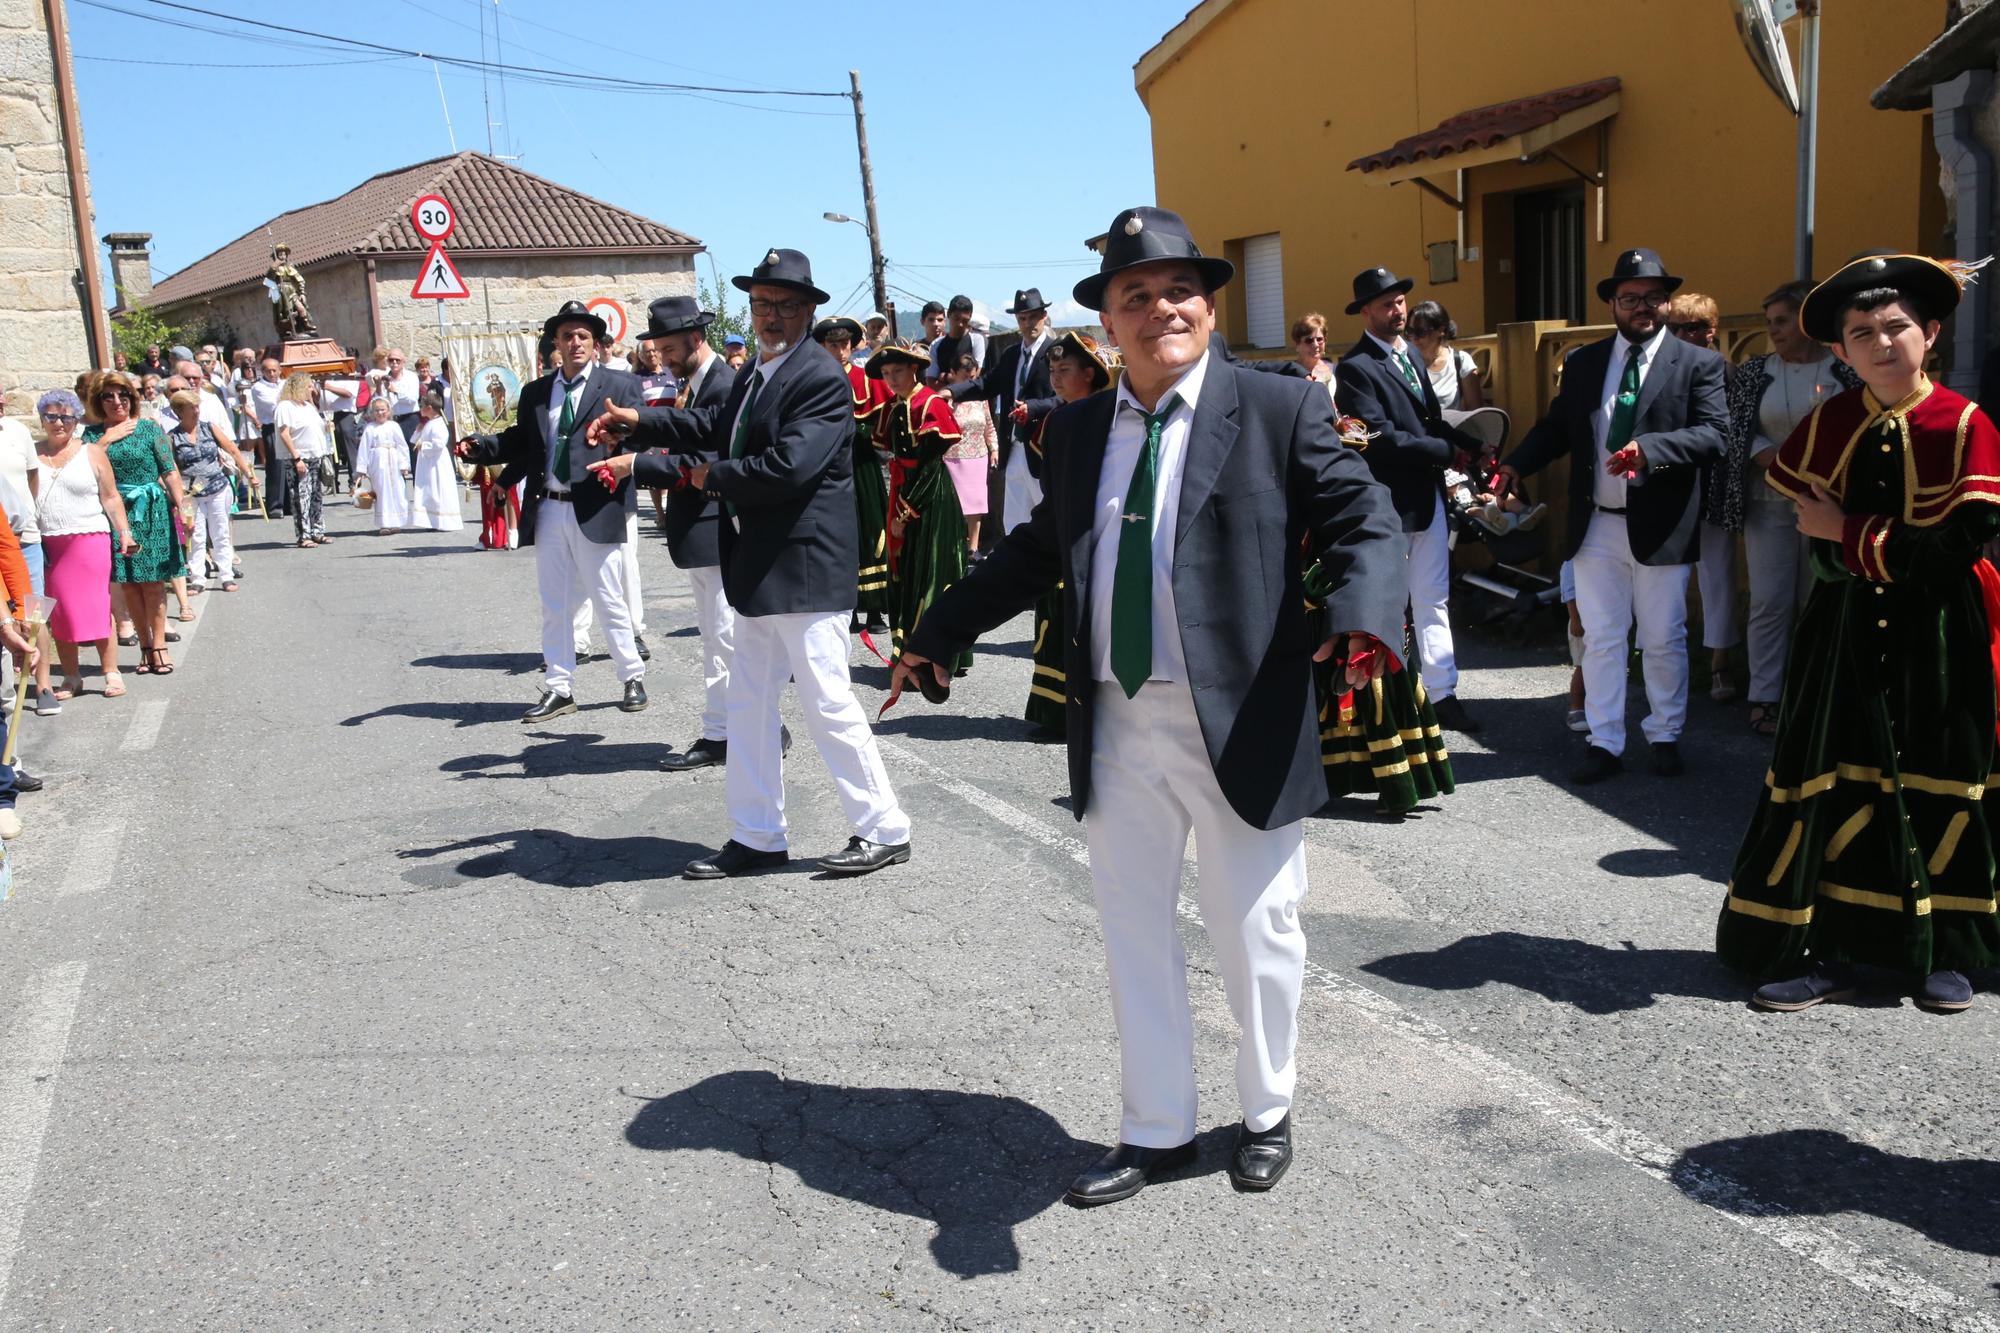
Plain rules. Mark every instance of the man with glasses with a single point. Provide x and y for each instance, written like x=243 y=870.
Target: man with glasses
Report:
x=402 y=388
x=1641 y=416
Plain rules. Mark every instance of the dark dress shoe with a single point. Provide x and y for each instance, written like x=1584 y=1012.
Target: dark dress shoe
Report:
x=1451 y=715
x=1666 y=762
x=1124 y=1171
x=1261 y=1157
x=550 y=705
x=1828 y=981
x=635 y=697
x=1943 y=991
x=24 y=782
x=863 y=856
x=703 y=753
x=645 y=653
x=1598 y=764
x=734 y=859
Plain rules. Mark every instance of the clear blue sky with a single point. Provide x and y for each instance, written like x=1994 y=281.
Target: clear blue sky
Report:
x=1034 y=101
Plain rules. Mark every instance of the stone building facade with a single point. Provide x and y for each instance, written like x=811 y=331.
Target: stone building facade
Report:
x=523 y=244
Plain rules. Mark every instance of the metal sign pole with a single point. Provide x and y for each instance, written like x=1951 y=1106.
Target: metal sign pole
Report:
x=1802 y=251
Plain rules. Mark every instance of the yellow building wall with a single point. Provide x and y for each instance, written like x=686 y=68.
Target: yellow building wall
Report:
x=1255 y=121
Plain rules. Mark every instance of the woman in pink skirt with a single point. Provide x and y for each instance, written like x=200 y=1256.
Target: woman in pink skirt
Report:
x=973 y=456
x=78 y=509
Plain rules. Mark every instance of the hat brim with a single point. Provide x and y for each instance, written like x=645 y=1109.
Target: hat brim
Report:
x=1609 y=286
x=838 y=324
x=595 y=323
x=899 y=356
x=743 y=284
x=1925 y=280
x=1356 y=306
x=1215 y=275
x=700 y=321
x=1027 y=309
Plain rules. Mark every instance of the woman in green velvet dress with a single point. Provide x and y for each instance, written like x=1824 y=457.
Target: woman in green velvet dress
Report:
x=839 y=335
x=1872 y=844
x=926 y=527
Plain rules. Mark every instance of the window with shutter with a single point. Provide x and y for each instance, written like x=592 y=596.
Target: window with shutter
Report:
x=1264 y=291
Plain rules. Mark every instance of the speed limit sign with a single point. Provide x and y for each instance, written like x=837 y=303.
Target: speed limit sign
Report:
x=432 y=217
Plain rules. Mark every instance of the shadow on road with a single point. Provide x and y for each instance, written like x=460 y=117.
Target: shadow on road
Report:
x=514 y=664
x=1821 y=1172
x=563 y=860
x=416 y=550
x=462 y=714
x=1591 y=977
x=913 y=717
x=562 y=756
x=976 y=1164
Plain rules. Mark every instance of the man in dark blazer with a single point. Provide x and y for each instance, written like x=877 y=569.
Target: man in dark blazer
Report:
x=1017 y=384
x=1379 y=382
x=575 y=524
x=778 y=460
x=677 y=328
x=1176 y=510
x=1641 y=416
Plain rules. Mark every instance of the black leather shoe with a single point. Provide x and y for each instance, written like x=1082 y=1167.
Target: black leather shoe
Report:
x=1124 y=1171
x=1451 y=715
x=24 y=782
x=1666 y=762
x=863 y=856
x=645 y=653
x=635 y=697
x=1260 y=1159
x=550 y=705
x=1943 y=992
x=1598 y=764
x=734 y=859
x=703 y=753
x=1828 y=981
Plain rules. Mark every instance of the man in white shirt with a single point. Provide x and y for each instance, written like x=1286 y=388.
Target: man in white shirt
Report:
x=402 y=388
x=261 y=403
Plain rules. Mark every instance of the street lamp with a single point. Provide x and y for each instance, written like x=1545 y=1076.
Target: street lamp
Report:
x=842 y=217
x=875 y=266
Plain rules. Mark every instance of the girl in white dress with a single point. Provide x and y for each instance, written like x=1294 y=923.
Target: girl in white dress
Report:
x=436 y=502
x=385 y=462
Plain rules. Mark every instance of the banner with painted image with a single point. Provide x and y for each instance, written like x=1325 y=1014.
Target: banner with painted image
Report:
x=497 y=363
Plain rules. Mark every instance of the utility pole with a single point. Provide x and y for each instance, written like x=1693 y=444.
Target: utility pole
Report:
x=96 y=324
x=868 y=199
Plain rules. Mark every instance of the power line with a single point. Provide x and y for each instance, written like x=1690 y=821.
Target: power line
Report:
x=197 y=64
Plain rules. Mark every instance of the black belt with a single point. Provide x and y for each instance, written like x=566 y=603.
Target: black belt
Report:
x=1606 y=509
x=562 y=496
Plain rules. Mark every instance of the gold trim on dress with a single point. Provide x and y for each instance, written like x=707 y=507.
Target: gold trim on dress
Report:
x=1785 y=854
x=1784 y=916
x=1950 y=902
x=1887 y=902
x=1949 y=843
x=1847 y=832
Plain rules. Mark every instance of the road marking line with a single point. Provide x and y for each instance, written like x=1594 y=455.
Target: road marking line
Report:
x=1728 y=1198
x=96 y=857
x=145 y=729
x=29 y=1063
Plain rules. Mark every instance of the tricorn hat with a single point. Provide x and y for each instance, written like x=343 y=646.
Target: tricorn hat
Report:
x=1149 y=236
x=832 y=322
x=1074 y=346
x=675 y=314
x=1632 y=265
x=898 y=353
x=1931 y=285
x=574 y=312
x=1027 y=301
x=783 y=268
x=1374 y=282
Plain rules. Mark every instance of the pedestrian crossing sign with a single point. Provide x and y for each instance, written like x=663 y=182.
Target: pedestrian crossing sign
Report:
x=438 y=279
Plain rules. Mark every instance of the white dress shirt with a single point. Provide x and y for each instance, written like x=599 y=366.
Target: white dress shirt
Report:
x=552 y=418
x=402 y=390
x=768 y=370
x=700 y=377
x=1121 y=456
x=1609 y=491
x=264 y=399
x=1395 y=349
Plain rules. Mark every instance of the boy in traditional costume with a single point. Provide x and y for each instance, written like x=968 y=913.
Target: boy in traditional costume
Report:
x=926 y=529
x=1872 y=844
x=839 y=334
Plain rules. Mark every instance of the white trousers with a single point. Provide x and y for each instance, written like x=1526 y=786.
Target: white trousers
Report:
x=1430 y=605
x=1715 y=574
x=211 y=530
x=1023 y=491
x=571 y=569
x=716 y=619
x=810 y=648
x=1613 y=590
x=635 y=606
x=1151 y=783
x=1775 y=552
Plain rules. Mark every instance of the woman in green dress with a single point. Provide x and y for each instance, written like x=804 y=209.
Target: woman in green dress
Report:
x=926 y=528
x=1872 y=843
x=142 y=463
x=839 y=335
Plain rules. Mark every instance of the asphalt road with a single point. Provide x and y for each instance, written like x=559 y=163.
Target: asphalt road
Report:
x=337 y=999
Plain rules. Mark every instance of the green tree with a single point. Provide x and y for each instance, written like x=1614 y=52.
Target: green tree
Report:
x=726 y=321
x=139 y=328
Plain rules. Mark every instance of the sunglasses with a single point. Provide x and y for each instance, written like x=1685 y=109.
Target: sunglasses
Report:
x=110 y=395
x=59 y=418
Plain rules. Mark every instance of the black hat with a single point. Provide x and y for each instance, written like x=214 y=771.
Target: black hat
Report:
x=1375 y=282
x=574 y=312
x=1933 y=287
x=1074 y=346
x=1027 y=301
x=783 y=268
x=832 y=322
x=675 y=314
x=1149 y=236
x=1633 y=265
x=902 y=353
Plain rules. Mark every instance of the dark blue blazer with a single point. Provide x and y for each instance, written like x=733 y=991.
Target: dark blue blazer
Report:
x=691 y=516
x=523 y=449
x=1414 y=444
x=996 y=386
x=1264 y=470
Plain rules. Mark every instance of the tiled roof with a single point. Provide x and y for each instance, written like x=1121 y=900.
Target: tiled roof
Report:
x=1485 y=126
x=499 y=207
x=1968 y=44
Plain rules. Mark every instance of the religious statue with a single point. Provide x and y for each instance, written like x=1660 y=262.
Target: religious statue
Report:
x=288 y=296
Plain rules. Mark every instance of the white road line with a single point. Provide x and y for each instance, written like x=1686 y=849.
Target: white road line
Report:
x=1819 y=1245
x=145 y=728
x=95 y=858
x=29 y=1063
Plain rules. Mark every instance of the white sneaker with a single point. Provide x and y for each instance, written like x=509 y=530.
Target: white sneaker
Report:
x=10 y=824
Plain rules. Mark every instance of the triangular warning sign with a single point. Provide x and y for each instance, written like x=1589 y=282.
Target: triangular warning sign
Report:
x=438 y=280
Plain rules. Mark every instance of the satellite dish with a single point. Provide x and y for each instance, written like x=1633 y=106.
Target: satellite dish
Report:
x=1757 y=25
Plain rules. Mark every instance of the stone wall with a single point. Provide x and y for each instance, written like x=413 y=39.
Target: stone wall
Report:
x=43 y=337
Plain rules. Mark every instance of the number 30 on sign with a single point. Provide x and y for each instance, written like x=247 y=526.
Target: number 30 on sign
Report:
x=433 y=218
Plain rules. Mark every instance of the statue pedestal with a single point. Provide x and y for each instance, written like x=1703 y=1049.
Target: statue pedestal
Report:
x=315 y=356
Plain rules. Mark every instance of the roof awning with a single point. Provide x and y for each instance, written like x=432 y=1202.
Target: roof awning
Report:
x=1526 y=128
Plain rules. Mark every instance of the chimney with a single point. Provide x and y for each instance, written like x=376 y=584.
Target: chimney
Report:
x=131 y=266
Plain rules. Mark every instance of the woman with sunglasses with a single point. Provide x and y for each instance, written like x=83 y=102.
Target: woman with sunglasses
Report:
x=150 y=485
x=81 y=518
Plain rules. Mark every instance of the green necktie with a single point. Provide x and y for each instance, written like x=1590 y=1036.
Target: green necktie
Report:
x=1409 y=370
x=564 y=425
x=1132 y=578
x=1625 y=408
x=743 y=417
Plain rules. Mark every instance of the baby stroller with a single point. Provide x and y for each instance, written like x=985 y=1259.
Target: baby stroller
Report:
x=1513 y=540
